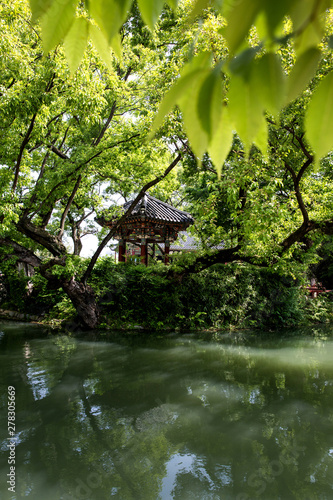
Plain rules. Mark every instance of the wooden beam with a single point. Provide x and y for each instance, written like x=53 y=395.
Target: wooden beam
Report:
x=166 y=252
x=122 y=251
x=144 y=253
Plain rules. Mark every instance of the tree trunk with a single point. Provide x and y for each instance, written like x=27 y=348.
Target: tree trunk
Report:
x=84 y=301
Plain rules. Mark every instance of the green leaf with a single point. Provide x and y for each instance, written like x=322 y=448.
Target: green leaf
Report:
x=225 y=6
x=330 y=41
x=301 y=11
x=210 y=99
x=310 y=37
x=319 y=118
x=57 y=22
x=220 y=145
x=116 y=45
x=173 y=3
x=268 y=80
x=172 y=98
x=309 y=21
x=246 y=109
x=75 y=42
x=302 y=72
x=150 y=11
x=261 y=139
x=240 y=19
x=275 y=11
x=189 y=75
x=39 y=7
x=242 y=64
x=110 y=15
x=101 y=44
x=199 y=7
x=198 y=137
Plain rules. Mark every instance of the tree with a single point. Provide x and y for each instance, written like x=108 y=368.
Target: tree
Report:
x=268 y=212
x=253 y=64
x=256 y=34
x=63 y=138
x=66 y=133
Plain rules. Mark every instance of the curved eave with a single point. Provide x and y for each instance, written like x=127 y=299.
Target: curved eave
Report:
x=139 y=220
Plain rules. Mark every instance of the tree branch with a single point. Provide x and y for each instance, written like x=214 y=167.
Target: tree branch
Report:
x=23 y=254
x=68 y=206
x=34 y=194
x=106 y=124
x=41 y=236
x=23 y=145
x=77 y=169
x=109 y=147
x=59 y=153
x=296 y=181
x=125 y=215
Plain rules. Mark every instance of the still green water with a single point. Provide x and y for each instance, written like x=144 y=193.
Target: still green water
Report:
x=173 y=417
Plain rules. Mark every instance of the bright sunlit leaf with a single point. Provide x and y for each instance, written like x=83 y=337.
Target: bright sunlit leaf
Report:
x=190 y=74
x=240 y=19
x=173 y=3
x=302 y=72
x=150 y=11
x=221 y=142
x=75 y=42
x=310 y=37
x=198 y=136
x=101 y=44
x=300 y=12
x=172 y=98
x=115 y=44
x=268 y=80
x=57 y=22
x=275 y=12
x=110 y=15
x=199 y=7
x=261 y=139
x=39 y=7
x=246 y=109
x=319 y=118
x=210 y=101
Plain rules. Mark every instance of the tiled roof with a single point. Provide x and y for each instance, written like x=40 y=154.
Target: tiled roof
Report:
x=158 y=210
x=187 y=242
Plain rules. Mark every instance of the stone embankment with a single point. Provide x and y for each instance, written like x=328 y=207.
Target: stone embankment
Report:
x=16 y=316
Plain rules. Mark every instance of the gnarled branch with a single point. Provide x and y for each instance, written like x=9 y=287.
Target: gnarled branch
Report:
x=125 y=215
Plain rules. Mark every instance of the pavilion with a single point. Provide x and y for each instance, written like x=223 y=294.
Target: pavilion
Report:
x=151 y=221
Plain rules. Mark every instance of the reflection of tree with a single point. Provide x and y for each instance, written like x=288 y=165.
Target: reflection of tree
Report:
x=228 y=420
x=71 y=438
x=275 y=437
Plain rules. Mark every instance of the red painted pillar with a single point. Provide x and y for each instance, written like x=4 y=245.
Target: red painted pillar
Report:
x=166 y=251
x=122 y=251
x=144 y=253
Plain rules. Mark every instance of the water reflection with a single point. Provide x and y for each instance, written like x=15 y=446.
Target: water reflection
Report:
x=176 y=418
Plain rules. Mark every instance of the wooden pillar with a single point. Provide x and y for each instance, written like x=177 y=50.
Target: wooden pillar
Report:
x=166 y=251
x=144 y=254
x=122 y=251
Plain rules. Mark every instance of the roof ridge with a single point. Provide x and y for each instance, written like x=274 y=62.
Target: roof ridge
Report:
x=168 y=205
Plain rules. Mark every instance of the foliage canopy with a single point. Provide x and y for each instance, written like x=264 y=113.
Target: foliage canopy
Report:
x=256 y=80
x=254 y=96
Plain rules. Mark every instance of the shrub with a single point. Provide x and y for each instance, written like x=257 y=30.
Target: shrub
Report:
x=222 y=296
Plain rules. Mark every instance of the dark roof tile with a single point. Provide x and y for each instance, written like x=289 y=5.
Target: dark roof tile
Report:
x=159 y=210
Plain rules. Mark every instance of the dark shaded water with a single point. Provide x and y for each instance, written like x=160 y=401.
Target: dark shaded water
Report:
x=179 y=417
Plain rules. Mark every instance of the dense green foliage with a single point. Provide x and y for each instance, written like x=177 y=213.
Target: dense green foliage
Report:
x=247 y=49
x=224 y=296
x=73 y=140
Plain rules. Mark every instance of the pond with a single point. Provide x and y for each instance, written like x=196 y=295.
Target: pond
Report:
x=209 y=416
